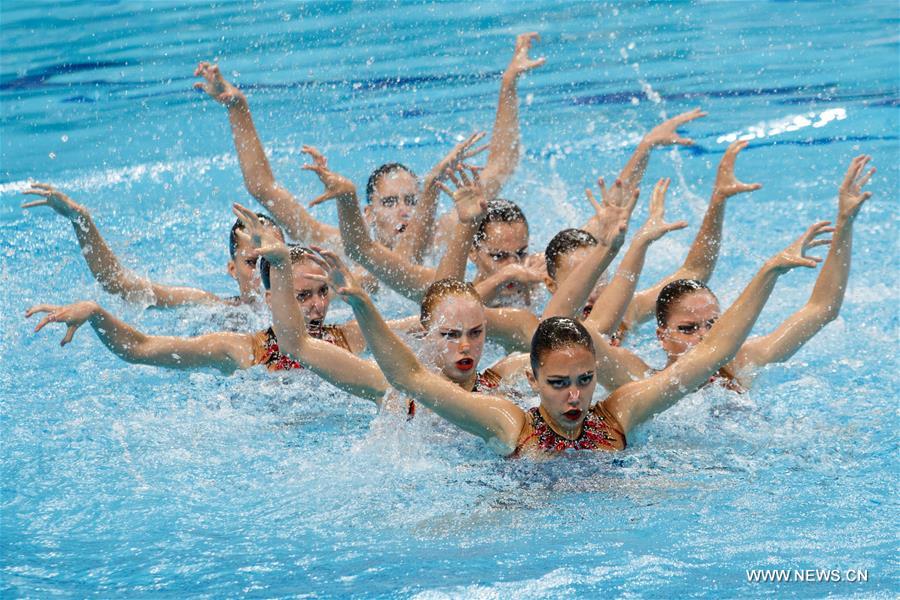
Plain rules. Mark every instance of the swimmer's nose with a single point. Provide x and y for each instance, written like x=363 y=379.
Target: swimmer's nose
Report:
x=574 y=395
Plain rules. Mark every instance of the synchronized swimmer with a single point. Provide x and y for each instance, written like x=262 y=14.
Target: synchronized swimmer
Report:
x=579 y=339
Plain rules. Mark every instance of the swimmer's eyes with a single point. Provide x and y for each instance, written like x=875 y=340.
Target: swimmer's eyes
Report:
x=389 y=201
x=411 y=200
x=323 y=291
x=303 y=296
x=250 y=262
x=520 y=255
x=451 y=335
x=559 y=384
x=692 y=328
x=476 y=332
x=585 y=379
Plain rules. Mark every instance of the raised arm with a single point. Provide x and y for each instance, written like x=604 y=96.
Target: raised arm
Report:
x=226 y=352
x=636 y=402
x=610 y=306
x=664 y=134
x=613 y=214
x=419 y=235
x=104 y=264
x=410 y=280
x=333 y=364
x=504 y=154
x=828 y=293
x=704 y=252
x=258 y=177
x=493 y=418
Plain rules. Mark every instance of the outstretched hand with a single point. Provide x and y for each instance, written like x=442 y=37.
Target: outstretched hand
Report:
x=260 y=236
x=337 y=275
x=520 y=62
x=727 y=184
x=56 y=200
x=614 y=210
x=457 y=157
x=215 y=85
x=336 y=185
x=850 y=196
x=468 y=198
x=73 y=315
x=795 y=255
x=655 y=226
x=666 y=133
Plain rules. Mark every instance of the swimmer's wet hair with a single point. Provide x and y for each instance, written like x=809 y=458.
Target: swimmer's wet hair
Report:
x=238 y=226
x=298 y=254
x=377 y=174
x=499 y=211
x=557 y=333
x=564 y=242
x=672 y=292
x=439 y=290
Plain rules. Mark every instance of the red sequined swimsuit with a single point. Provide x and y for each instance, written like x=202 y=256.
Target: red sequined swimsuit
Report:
x=266 y=351
x=600 y=431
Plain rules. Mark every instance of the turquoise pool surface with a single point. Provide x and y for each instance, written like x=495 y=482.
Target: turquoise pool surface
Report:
x=130 y=481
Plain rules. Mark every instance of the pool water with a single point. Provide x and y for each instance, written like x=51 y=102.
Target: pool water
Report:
x=130 y=481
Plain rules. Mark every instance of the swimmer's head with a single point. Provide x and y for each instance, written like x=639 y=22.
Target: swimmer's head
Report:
x=562 y=371
x=453 y=317
x=686 y=309
x=312 y=295
x=568 y=249
x=242 y=266
x=392 y=193
x=501 y=239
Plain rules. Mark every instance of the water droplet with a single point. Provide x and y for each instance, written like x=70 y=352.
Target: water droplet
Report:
x=52 y=155
x=64 y=138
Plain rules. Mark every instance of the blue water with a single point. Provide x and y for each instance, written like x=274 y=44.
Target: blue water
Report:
x=124 y=481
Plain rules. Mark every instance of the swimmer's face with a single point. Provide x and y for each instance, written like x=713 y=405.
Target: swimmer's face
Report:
x=690 y=319
x=392 y=204
x=244 y=269
x=455 y=336
x=503 y=244
x=312 y=296
x=565 y=380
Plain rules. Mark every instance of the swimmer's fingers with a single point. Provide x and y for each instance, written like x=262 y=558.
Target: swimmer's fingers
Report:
x=70 y=331
x=40 y=308
x=676 y=226
x=453 y=178
x=320 y=199
x=463 y=178
x=53 y=317
x=476 y=151
x=443 y=187
x=689 y=116
x=36 y=203
x=598 y=208
x=318 y=158
x=658 y=199
x=865 y=178
x=247 y=217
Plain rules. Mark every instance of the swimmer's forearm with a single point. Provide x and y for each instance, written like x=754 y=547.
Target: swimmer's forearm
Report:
x=119 y=337
x=503 y=156
x=103 y=263
x=612 y=303
x=704 y=252
x=453 y=263
x=408 y=279
x=396 y=360
x=633 y=172
x=574 y=291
